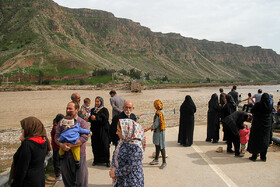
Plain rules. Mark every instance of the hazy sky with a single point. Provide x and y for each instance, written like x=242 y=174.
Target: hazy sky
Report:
x=245 y=22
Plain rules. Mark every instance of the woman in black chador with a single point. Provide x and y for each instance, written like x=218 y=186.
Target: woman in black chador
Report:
x=213 y=119
x=227 y=109
x=186 y=128
x=261 y=127
x=100 y=133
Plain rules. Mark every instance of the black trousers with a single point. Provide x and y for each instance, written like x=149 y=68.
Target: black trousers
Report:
x=247 y=106
x=56 y=163
x=232 y=138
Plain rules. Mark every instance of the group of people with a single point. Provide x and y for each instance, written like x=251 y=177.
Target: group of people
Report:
x=70 y=134
x=224 y=110
x=68 y=141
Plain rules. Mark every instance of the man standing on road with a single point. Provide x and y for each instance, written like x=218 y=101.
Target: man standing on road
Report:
x=222 y=97
x=258 y=96
x=126 y=113
x=71 y=175
x=116 y=102
x=234 y=94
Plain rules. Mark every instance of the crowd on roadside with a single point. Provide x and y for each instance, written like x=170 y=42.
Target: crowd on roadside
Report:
x=71 y=131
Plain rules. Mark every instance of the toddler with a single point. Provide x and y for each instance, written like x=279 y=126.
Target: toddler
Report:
x=84 y=112
x=71 y=134
x=244 y=138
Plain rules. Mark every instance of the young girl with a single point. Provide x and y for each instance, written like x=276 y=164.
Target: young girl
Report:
x=244 y=138
x=127 y=158
x=159 y=134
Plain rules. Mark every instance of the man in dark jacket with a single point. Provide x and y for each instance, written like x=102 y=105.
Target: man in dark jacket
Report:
x=232 y=124
x=234 y=94
x=126 y=113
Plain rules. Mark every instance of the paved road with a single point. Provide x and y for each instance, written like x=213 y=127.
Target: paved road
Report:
x=198 y=165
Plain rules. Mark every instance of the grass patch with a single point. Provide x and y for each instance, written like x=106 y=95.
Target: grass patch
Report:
x=89 y=81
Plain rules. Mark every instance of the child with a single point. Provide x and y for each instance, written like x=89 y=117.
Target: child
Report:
x=55 y=149
x=159 y=134
x=84 y=112
x=244 y=138
x=71 y=134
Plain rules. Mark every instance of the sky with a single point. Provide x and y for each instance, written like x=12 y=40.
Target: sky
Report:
x=243 y=22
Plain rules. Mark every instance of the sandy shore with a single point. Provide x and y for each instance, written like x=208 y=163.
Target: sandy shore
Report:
x=46 y=104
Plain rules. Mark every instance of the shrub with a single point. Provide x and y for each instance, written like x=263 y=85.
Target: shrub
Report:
x=46 y=82
x=135 y=74
x=82 y=82
x=102 y=72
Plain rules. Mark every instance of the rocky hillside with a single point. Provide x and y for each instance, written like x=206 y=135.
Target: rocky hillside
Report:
x=41 y=35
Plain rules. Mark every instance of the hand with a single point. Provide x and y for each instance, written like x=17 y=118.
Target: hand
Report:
x=112 y=173
x=84 y=112
x=64 y=146
x=93 y=117
x=150 y=128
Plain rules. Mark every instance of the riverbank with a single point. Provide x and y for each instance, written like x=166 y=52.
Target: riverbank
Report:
x=118 y=86
x=46 y=104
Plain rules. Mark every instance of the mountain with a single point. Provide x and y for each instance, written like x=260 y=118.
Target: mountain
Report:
x=41 y=35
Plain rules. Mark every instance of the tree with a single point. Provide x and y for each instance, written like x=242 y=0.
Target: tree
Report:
x=147 y=76
x=165 y=79
x=40 y=79
x=135 y=74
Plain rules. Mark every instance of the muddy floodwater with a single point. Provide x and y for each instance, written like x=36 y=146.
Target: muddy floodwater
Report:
x=14 y=106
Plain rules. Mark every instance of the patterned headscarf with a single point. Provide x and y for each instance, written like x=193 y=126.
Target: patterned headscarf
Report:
x=132 y=133
x=159 y=106
x=97 y=109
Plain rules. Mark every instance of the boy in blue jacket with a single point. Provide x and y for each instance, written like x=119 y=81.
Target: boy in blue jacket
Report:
x=71 y=134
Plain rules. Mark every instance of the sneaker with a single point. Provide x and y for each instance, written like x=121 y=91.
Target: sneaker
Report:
x=154 y=162
x=215 y=141
x=263 y=159
x=163 y=165
x=230 y=151
x=208 y=140
x=58 y=178
x=242 y=152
